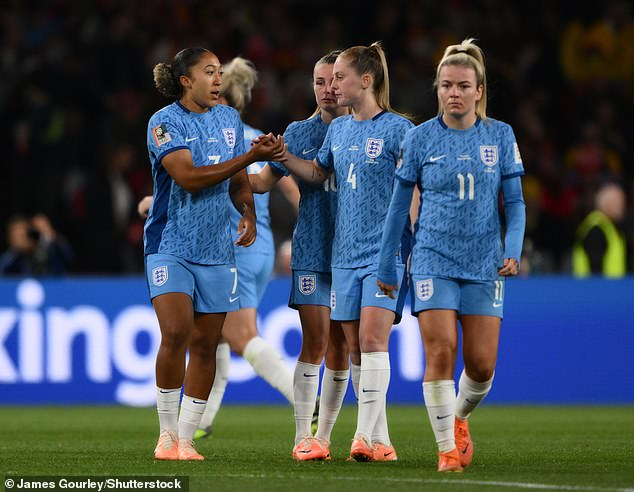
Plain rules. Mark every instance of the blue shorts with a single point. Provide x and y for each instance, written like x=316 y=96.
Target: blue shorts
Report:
x=464 y=296
x=355 y=288
x=254 y=273
x=310 y=288
x=213 y=288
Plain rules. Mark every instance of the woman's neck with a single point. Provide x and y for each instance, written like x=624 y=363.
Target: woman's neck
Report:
x=462 y=122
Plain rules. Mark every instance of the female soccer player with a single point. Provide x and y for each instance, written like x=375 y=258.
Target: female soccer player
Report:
x=197 y=153
x=459 y=160
x=362 y=151
x=310 y=264
x=254 y=264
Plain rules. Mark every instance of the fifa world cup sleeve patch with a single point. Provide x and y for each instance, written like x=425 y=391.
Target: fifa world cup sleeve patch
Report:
x=161 y=135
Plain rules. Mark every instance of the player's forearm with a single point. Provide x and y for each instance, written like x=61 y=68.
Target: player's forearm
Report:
x=241 y=194
x=305 y=170
x=199 y=178
x=515 y=213
x=393 y=231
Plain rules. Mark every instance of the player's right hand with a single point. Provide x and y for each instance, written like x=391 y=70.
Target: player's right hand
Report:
x=387 y=289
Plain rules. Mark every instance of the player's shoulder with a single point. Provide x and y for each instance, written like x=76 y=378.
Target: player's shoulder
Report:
x=432 y=125
x=497 y=126
x=224 y=113
x=341 y=121
x=302 y=125
x=166 y=113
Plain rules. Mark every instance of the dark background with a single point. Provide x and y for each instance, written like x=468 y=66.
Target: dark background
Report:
x=76 y=93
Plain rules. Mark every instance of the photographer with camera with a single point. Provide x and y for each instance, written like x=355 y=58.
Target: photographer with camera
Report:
x=34 y=248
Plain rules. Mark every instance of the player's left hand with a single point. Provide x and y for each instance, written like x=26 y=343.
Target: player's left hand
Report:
x=247 y=231
x=510 y=268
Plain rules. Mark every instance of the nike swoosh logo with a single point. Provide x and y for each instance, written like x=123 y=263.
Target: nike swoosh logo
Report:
x=339 y=379
x=380 y=295
x=465 y=449
x=435 y=158
x=308 y=151
x=309 y=375
x=190 y=139
x=234 y=299
x=371 y=391
x=336 y=147
x=164 y=392
x=440 y=417
x=497 y=304
x=199 y=402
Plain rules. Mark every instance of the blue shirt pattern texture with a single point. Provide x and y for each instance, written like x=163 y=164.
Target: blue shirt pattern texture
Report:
x=314 y=228
x=192 y=226
x=459 y=172
x=363 y=156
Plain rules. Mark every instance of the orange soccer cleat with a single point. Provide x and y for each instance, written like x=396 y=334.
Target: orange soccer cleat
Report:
x=361 y=450
x=187 y=451
x=464 y=444
x=166 y=447
x=449 y=462
x=312 y=449
x=384 y=453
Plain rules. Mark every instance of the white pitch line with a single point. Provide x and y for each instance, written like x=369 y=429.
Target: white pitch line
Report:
x=521 y=485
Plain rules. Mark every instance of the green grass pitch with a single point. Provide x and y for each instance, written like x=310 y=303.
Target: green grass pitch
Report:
x=589 y=448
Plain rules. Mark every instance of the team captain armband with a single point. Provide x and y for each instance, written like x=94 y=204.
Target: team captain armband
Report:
x=161 y=135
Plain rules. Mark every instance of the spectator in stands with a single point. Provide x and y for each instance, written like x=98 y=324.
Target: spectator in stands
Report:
x=599 y=247
x=34 y=248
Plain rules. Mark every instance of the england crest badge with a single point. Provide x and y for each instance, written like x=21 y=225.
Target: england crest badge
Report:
x=230 y=136
x=425 y=289
x=373 y=147
x=307 y=284
x=489 y=154
x=159 y=275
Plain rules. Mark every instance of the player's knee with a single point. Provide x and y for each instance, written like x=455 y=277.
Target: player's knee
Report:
x=481 y=371
x=173 y=337
x=315 y=348
x=440 y=355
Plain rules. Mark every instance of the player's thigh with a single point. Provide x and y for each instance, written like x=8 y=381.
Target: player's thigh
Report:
x=315 y=321
x=480 y=341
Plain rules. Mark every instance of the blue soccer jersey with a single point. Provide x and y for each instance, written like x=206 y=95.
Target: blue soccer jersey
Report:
x=192 y=226
x=314 y=228
x=264 y=242
x=363 y=156
x=459 y=173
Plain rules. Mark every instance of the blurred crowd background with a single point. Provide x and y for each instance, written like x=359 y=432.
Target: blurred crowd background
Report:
x=76 y=93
